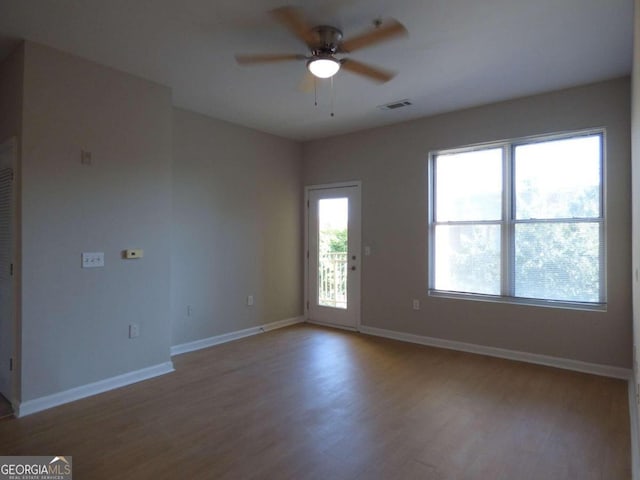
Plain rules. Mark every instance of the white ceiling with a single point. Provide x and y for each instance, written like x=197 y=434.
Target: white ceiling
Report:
x=459 y=53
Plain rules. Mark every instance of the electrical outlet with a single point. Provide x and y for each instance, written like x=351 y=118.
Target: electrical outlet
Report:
x=416 y=304
x=189 y=310
x=134 y=330
x=250 y=300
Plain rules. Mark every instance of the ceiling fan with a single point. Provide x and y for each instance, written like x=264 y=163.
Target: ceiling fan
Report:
x=325 y=42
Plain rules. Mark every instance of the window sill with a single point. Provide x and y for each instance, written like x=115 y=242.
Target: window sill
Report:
x=531 y=302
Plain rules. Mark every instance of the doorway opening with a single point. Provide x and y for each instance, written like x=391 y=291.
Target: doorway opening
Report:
x=332 y=267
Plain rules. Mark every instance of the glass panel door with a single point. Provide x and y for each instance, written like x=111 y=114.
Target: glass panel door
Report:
x=333 y=245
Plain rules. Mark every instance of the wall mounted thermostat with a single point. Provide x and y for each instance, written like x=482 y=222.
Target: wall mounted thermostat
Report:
x=134 y=253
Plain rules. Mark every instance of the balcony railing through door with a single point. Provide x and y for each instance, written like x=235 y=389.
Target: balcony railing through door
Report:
x=332 y=280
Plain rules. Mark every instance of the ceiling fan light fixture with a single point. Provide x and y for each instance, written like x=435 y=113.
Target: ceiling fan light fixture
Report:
x=323 y=67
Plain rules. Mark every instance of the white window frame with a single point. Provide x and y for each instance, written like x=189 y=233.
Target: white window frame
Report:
x=508 y=223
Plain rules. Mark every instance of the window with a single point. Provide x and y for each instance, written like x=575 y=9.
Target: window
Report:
x=520 y=220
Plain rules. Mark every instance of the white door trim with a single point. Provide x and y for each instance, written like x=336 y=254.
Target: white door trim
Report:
x=326 y=186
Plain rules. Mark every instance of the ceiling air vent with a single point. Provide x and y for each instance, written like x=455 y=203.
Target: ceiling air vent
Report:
x=395 y=105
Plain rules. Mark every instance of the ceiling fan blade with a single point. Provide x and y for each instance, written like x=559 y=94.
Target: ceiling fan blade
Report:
x=307 y=83
x=295 y=22
x=267 y=58
x=386 y=31
x=372 y=73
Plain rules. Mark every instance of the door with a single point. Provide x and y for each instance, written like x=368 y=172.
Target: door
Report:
x=333 y=246
x=7 y=320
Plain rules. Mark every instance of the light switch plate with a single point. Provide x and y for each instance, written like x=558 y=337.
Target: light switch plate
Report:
x=92 y=259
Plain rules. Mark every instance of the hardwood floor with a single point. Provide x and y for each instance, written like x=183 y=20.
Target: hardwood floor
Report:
x=313 y=403
x=6 y=410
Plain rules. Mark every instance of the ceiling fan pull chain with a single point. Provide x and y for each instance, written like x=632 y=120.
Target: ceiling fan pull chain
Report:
x=315 y=91
x=332 y=97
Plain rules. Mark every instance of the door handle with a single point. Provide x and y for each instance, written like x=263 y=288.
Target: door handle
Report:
x=353 y=267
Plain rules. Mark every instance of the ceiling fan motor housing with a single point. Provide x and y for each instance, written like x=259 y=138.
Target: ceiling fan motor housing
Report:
x=328 y=40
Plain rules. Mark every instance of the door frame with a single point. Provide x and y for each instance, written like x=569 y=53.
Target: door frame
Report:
x=357 y=306
x=11 y=144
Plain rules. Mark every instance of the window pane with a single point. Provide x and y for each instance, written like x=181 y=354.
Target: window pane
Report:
x=558 y=261
x=469 y=186
x=467 y=258
x=333 y=221
x=558 y=179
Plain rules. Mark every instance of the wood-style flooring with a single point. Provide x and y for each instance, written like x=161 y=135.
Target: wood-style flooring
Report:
x=6 y=410
x=313 y=403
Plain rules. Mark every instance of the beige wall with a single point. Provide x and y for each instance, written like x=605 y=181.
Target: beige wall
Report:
x=635 y=191
x=391 y=162
x=236 y=223
x=236 y=230
x=75 y=321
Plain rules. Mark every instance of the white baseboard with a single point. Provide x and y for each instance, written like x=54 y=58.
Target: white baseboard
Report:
x=565 y=363
x=211 y=341
x=326 y=324
x=282 y=323
x=228 y=337
x=44 y=403
x=635 y=438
